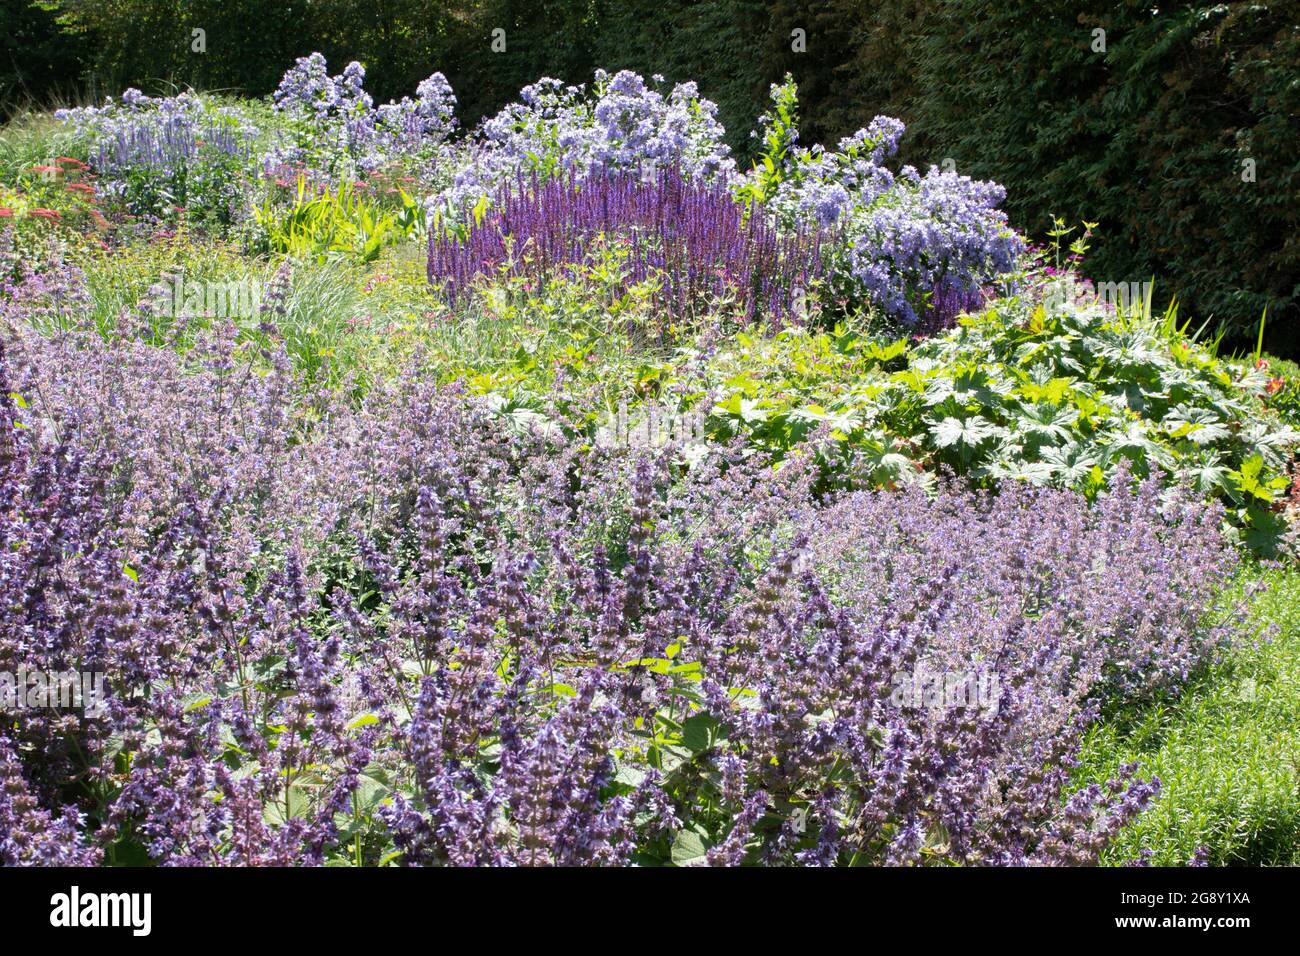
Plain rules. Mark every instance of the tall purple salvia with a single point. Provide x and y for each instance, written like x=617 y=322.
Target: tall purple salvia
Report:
x=695 y=240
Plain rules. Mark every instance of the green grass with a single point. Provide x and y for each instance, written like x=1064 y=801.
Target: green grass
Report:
x=33 y=139
x=327 y=330
x=1227 y=753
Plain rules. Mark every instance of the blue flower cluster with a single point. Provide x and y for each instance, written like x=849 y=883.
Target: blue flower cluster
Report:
x=151 y=153
x=624 y=123
x=927 y=250
x=338 y=128
x=156 y=132
x=918 y=248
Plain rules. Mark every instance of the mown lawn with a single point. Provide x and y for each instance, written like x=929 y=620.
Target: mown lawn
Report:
x=1227 y=753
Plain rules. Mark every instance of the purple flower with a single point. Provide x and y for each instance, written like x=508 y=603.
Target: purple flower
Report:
x=694 y=239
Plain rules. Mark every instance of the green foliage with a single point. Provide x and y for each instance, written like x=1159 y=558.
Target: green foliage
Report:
x=325 y=330
x=1054 y=393
x=570 y=346
x=1148 y=136
x=1022 y=392
x=1283 y=389
x=335 y=221
x=148 y=43
x=32 y=139
x=780 y=126
x=120 y=278
x=1227 y=753
x=333 y=330
x=38 y=62
x=49 y=213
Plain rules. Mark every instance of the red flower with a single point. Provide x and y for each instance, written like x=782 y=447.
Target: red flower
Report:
x=69 y=161
x=6 y=213
x=49 y=214
x=1274 y=385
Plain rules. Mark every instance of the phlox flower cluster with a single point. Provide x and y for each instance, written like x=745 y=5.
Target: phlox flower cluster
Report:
x=623 y=123
x=339 y=128
x=930 y=250
x=919 y=248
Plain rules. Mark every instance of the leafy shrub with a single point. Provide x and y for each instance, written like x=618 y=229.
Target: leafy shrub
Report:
x=339 y=220
x=567 y=345
x=1079 y=388
x=1050 y=393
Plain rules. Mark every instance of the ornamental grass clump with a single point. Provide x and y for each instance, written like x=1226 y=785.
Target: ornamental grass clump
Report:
x=693 y=240
x=391 y=632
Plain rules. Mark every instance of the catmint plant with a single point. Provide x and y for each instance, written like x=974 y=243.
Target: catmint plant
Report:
x=392 y=631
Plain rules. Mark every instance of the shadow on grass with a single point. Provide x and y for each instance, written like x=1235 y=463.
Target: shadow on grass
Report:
x=1227 y=749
